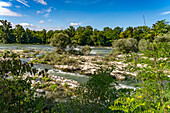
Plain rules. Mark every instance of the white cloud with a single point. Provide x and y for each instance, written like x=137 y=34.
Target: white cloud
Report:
x=17 y=6
x=41 y=2
x=6 y=11
x=75 y=24
x=41 y=21
x=49 y=10
x=27 y=25
x=165 y=13
x=46 y=15
x=49 y=20
x=23 y=2
x=31 y=26
x=39 y=12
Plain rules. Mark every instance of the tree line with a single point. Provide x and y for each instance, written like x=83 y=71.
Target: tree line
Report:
x=81 y=35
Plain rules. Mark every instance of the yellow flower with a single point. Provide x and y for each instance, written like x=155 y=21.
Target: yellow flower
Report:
x=161 y=65
x=139 y=97
x=168 y=106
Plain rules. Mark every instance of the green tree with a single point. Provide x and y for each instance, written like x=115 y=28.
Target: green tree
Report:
x=153 y=81
x=160 y=27
x=60 y=40
x=94 y=37
x=19 y=33
x=17 y=94
x=49 y=35
x=6 y=30
x=70 y=31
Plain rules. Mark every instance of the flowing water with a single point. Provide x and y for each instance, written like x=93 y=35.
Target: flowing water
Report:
x=26 y=46
x=74 y=76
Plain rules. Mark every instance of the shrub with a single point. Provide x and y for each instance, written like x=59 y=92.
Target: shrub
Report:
x=153 y=94
x=143 y=45
x=37 y=53
x=164 y=38
x=59 y=51
x=52 y=87
x=115 y=53
x=47 y=79
x=17 y=95
x=55 y=58
x=60 y=40
x=126 y=45
x=106 y=57
x=26 y=51
x=95 y=96
x=75 y=52
x=43 y=85
x=86 y=50
x=34 y=78
x=66 y=85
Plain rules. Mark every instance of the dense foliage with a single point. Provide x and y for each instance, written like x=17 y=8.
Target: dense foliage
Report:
x=152 y=95
x=80 y=35
x=60 y=40
x=99 y=94
x=16 y=93
x=95 y=96
x=126 y=45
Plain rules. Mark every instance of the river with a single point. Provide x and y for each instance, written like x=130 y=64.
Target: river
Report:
x=74 y=76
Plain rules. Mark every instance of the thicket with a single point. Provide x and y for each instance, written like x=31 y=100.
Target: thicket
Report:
x=16 y=94
x=126 y=45
x=95 y=96
x=58 y=59
x=143 y=45
x=152 y=94
x=99 y=94
x=86 y=50
x=79 y=36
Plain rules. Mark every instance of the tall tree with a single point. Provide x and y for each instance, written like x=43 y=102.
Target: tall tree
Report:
x=49 y=34
x=19 y=32
x=160 y=27
x=60 y=40
x=70 y=31
x=6 y=30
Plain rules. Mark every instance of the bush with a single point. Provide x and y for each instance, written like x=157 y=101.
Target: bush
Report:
x=26 y=51
x=115 y=53
x=52 y=87
x=47 y=79
x=143 y=45
x=126 y=45
x=58 y=59
x=37 y=53
x=106 y=57
x=75 y=52
x=17 y=95
x=60 y=40
x=164 y=38
x=86 y=50
x=66 y=85
x=153 y=93
x=95 y=96
x=43 y=85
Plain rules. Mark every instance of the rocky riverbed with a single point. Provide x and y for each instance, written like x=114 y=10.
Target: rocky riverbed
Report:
x=87 y=65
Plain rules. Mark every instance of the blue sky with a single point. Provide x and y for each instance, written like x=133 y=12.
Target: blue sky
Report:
x=60 y=14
